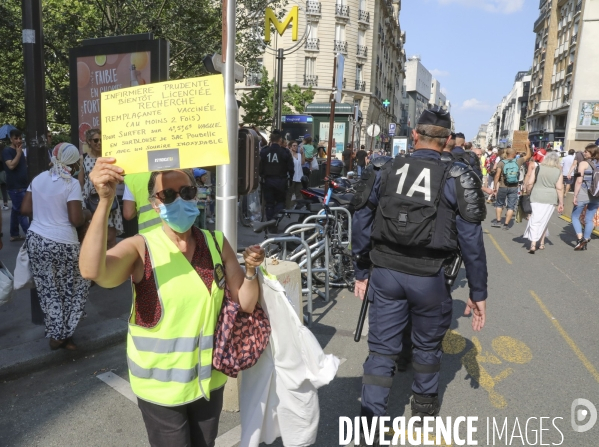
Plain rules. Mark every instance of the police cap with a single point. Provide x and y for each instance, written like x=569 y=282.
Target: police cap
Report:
x=436 y=116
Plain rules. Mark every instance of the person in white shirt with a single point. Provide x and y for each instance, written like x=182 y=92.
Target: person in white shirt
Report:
x=567 y=162
x=296 y=185
x=55 y=203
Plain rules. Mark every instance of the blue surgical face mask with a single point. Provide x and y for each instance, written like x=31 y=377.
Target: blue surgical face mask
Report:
x=179 y=215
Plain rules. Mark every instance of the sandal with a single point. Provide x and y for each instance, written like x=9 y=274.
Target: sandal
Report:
x=56 y=344
x=542 y=247
x=17 y=239
x=69 y=345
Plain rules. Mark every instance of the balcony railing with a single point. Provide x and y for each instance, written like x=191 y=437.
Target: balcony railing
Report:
x=313 y=8
x=569 y=69
x=362 y=51
x=573 y=39
x=253 y=79
x=312 y=45
x=342 y=11
x=361 y=86
x=539 y=21
x=364 y=16
x=341 y=46
x=310 y=80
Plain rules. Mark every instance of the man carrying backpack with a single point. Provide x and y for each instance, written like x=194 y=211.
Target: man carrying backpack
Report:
x=506 y=185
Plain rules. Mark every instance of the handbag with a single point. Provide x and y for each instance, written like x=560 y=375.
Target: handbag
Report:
x=93 y=201
x=314 y=164
x=525 y=204
x=6 y=285
x=240 y=338
x=23 y=278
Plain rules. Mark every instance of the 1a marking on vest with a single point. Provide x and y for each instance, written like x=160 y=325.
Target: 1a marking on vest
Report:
x=118 y=384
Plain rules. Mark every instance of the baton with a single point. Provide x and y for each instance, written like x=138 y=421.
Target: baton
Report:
x=363 y=313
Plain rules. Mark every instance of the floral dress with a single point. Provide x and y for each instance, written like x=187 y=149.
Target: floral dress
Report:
x=115 y=219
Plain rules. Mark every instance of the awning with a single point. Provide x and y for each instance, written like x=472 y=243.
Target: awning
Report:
x=324 y=108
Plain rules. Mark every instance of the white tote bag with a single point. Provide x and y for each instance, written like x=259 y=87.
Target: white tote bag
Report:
x=6 y=281
x=314 y=164
x=23 y=275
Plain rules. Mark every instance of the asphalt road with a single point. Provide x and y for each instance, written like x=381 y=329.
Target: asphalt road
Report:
x=536 y=355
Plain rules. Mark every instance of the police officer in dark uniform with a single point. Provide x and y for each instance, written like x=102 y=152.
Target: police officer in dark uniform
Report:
x=276 y=168
x=418 y=214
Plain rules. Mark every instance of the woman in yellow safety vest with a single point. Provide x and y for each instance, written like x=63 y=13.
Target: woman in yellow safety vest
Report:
x=178 y=275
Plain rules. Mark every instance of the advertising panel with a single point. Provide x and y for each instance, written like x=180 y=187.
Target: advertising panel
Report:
x=338 y=136
x=103 y=73
x=400 y=144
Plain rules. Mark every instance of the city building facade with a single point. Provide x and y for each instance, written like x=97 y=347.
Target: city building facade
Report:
x=416 y=93
x=559 y=33
x=368 y=34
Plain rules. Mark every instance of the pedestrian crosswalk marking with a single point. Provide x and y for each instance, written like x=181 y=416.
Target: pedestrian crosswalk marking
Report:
x=118 y=384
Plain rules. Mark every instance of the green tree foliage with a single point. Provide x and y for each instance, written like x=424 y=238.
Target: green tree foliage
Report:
x=296 y=100
x=258 y=103
x=193 y=27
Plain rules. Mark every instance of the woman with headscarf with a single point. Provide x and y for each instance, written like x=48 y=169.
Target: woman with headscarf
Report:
x=54 y=202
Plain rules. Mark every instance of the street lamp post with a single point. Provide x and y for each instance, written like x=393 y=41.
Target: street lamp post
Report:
x=35 y=107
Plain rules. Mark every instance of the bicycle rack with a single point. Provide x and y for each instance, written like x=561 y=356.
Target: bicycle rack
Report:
x=306 y=226
x=308 y=291
x=335 y=211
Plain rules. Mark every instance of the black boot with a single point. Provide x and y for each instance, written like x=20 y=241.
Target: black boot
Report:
x=424 y=405
x=374 y=444
x=376 y=434
x=581 y=244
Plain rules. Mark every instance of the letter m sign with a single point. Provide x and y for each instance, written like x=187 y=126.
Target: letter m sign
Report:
x=271 y=18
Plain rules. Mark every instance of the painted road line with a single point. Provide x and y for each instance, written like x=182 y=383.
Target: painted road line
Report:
x=118 y=384
x=230 y=438
x=498 y=248
x=585 y=361
x=569 y=219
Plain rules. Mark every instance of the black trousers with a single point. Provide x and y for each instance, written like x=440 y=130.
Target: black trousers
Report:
x=190 y=425
x=275 y=195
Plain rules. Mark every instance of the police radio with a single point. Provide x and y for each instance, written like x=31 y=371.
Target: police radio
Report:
x=452 y=270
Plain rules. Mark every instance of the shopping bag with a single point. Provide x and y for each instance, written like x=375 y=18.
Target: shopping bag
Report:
x=23 y=276
x=6 y=285
x=314 y=165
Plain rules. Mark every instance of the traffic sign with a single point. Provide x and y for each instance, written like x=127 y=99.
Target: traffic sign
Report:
x=214 y=64
x=392 y=129
x=373 y=130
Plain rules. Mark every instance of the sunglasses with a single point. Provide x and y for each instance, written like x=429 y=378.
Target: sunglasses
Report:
x=96 y=140
x=168 y=196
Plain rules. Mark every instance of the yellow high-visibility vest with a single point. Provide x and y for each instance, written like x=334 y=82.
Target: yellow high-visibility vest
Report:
x=171 y=363
x=147 y=218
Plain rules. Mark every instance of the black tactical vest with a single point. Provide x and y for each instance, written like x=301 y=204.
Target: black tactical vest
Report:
x=275 y=162
x=414 y=230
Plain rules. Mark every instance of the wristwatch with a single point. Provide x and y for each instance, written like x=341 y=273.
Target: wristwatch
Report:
x=251 y=278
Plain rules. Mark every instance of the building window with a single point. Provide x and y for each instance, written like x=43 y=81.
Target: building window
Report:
x=340 y=32
x=313 y=31
x=310 y=66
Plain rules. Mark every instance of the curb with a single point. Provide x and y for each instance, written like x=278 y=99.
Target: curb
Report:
x=36 y=355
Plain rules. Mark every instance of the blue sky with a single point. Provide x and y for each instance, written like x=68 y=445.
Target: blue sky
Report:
x=474 y=48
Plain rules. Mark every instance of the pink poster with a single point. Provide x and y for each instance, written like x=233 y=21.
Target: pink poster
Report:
x=102 y=73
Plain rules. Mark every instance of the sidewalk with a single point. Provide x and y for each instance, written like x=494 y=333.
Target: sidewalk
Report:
x=23 y=347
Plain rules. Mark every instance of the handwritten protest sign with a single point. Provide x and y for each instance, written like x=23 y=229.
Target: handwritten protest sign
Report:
x=168 y=125
x=520 y=140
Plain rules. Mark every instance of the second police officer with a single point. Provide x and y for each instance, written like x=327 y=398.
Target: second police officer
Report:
x=414 y=217
x=276 y=168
